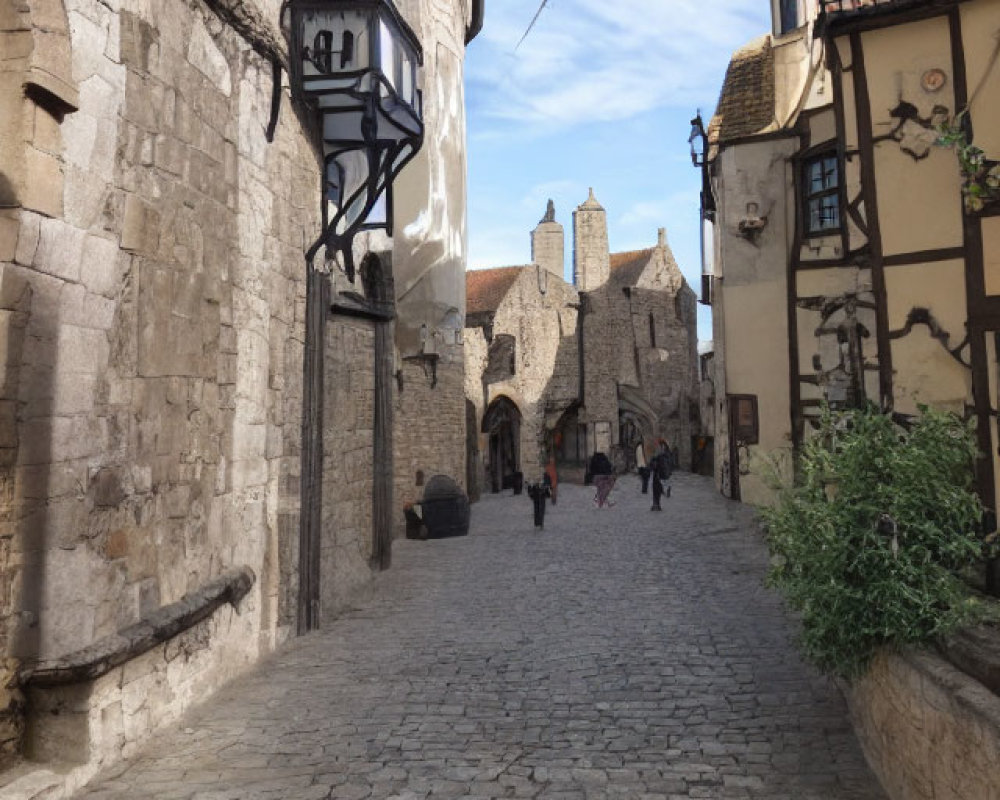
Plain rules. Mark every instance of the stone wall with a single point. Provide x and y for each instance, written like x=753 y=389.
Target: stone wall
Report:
x=429 y=260
x=608 y=358
x=152 y=302
x=668 y=371
x=546 y=375
x=548 y=247
x=591 y=266
x=348 y=436
x=86 y=727
x=152 y=384
x=928 y=730
x=429 y=425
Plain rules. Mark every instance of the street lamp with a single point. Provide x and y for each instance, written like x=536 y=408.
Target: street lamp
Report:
x=354 y=62
x=698 y=140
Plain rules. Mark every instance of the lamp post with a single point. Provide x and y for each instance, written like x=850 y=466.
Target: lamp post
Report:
x=354 y=63
x=698 y=140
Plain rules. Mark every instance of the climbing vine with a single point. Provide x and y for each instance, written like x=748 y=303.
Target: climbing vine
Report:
x=980 y=175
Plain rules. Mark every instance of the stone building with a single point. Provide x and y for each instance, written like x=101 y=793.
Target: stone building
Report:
x=606 y=364
x=153 y=304
x=853 y=262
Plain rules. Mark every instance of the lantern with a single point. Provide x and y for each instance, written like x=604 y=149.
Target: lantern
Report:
x=354 y=62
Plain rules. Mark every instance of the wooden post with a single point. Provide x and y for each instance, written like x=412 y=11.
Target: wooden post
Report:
x=311 y=481
x=376 y=272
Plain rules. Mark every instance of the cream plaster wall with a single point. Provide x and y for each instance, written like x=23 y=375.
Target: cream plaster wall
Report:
x=923 y=370
x=980 y=28
x=759 y=313
x=750 y=306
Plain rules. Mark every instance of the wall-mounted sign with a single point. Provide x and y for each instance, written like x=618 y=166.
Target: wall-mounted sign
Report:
x=933 y=79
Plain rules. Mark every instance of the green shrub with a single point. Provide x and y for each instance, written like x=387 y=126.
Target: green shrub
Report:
x=868 y=542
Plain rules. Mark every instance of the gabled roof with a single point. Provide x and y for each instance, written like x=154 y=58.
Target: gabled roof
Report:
x=627 y=267
x=746 y=103
x=485 y=289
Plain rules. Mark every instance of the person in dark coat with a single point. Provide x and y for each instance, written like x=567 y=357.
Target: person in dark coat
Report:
x=538 y=492
x=660 y=468
x=604 y=479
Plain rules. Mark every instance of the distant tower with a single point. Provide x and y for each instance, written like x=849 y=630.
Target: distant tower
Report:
x=591 y=259
x=548 y=243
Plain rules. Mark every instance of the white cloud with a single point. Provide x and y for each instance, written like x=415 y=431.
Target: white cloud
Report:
x=593 y=61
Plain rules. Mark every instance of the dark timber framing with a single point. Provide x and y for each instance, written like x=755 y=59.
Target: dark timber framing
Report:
x=983 y=313
x=382 y=293
x=311 y=510
x=979 y=321
x=863 y=114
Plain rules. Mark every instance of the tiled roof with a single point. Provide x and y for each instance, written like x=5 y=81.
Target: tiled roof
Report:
x=746 y=103
x=627 y=267
x=486 y=288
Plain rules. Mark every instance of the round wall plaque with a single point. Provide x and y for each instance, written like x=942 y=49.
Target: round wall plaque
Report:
x=933 y=80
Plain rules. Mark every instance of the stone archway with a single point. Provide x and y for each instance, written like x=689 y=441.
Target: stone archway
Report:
x=634 y=439
x=502 y=424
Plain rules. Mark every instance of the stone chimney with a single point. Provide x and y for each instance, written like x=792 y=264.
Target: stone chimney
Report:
x=661 y=238
x=591 y=258
x=548 y=248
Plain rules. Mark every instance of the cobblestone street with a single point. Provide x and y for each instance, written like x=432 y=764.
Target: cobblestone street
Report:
x=618 y=653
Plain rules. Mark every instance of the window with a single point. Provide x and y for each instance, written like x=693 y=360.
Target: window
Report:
x=789 y=15
x=743 y=418
x=652 y=331
x=501 y=359
x=822 y=195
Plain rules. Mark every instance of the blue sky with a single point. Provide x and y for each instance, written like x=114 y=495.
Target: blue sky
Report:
x=600 y=94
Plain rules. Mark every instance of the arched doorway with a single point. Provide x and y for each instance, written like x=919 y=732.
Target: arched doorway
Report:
x=630 y=435
x=502 y=422
x=570 y=440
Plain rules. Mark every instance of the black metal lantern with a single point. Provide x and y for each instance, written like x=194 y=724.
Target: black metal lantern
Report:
x=355 y=62
x=698 y=141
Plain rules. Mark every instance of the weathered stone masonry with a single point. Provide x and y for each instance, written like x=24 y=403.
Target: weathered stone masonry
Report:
x=601 y=365
x=152 y=302
x=152 y=385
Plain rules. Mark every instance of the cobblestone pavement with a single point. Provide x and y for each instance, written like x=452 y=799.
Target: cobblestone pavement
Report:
x=620 y=653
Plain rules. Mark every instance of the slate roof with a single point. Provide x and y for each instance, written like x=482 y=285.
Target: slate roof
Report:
x=746 y=103
x=486 y=288
x=627 y=267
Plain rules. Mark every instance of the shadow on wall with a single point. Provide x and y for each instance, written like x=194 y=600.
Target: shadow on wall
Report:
x=24 y=491
x=8 y=197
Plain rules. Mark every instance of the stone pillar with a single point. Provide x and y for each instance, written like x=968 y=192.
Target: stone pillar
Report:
x=548 y=248
x=591 y=259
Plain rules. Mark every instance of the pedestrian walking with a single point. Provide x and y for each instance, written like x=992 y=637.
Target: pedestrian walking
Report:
x=603 y=477
x=538 y=492
x=551 y=478
x=660 y=467
x=642 y=467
